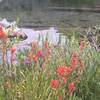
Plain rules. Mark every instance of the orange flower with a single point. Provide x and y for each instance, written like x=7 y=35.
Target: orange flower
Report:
x=3 y=35
x=35 y=58
x=54 y=84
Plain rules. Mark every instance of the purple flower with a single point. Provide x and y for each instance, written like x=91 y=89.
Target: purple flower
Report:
x=26 y=61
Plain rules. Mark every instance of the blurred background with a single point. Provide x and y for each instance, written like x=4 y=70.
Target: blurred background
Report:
x=46 y=13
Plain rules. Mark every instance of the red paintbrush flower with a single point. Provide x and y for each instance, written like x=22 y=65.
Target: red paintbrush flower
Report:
x=68 y=70
x=12 y=50
x=34 y=45
x=64 y=79
x=54 y=84
x=74 y=60
x=61 y=71
x=71 y=88
x=46 y=44
x=60 y=97
x=35 y=58
x=3 y=35
x=39 y=53
x=82 y=45
x=30 y=56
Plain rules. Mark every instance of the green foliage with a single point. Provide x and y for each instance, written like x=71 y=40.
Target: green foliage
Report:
x=80 y=2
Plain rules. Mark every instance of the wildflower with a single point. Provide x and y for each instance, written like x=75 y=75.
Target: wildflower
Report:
x=35 y=58
x=26 y=61
x=63 y=71
x=2 y=33
x=39 y=53
x=68 y=70
x=59 y=97
x=82 y=45
x=54 y=84
x=33 y=45
x=71 y=88
x=60 y=71
x=64 y=79
x=74 y=60
x=46 y=45
x=15 y=34
x=30 y=56
x=47 y=54
x=12 y=50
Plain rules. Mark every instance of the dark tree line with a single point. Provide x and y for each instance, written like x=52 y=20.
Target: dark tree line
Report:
x=32 y=4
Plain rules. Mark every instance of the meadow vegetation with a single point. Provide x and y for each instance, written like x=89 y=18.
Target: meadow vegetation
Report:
x=49 y=72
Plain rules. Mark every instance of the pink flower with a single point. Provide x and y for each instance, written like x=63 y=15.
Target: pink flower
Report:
x=40 y=53
x=54 y=84
x=15 y=33
x=71 y=88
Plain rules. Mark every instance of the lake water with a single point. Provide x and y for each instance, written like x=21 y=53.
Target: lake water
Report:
x=49 y=18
